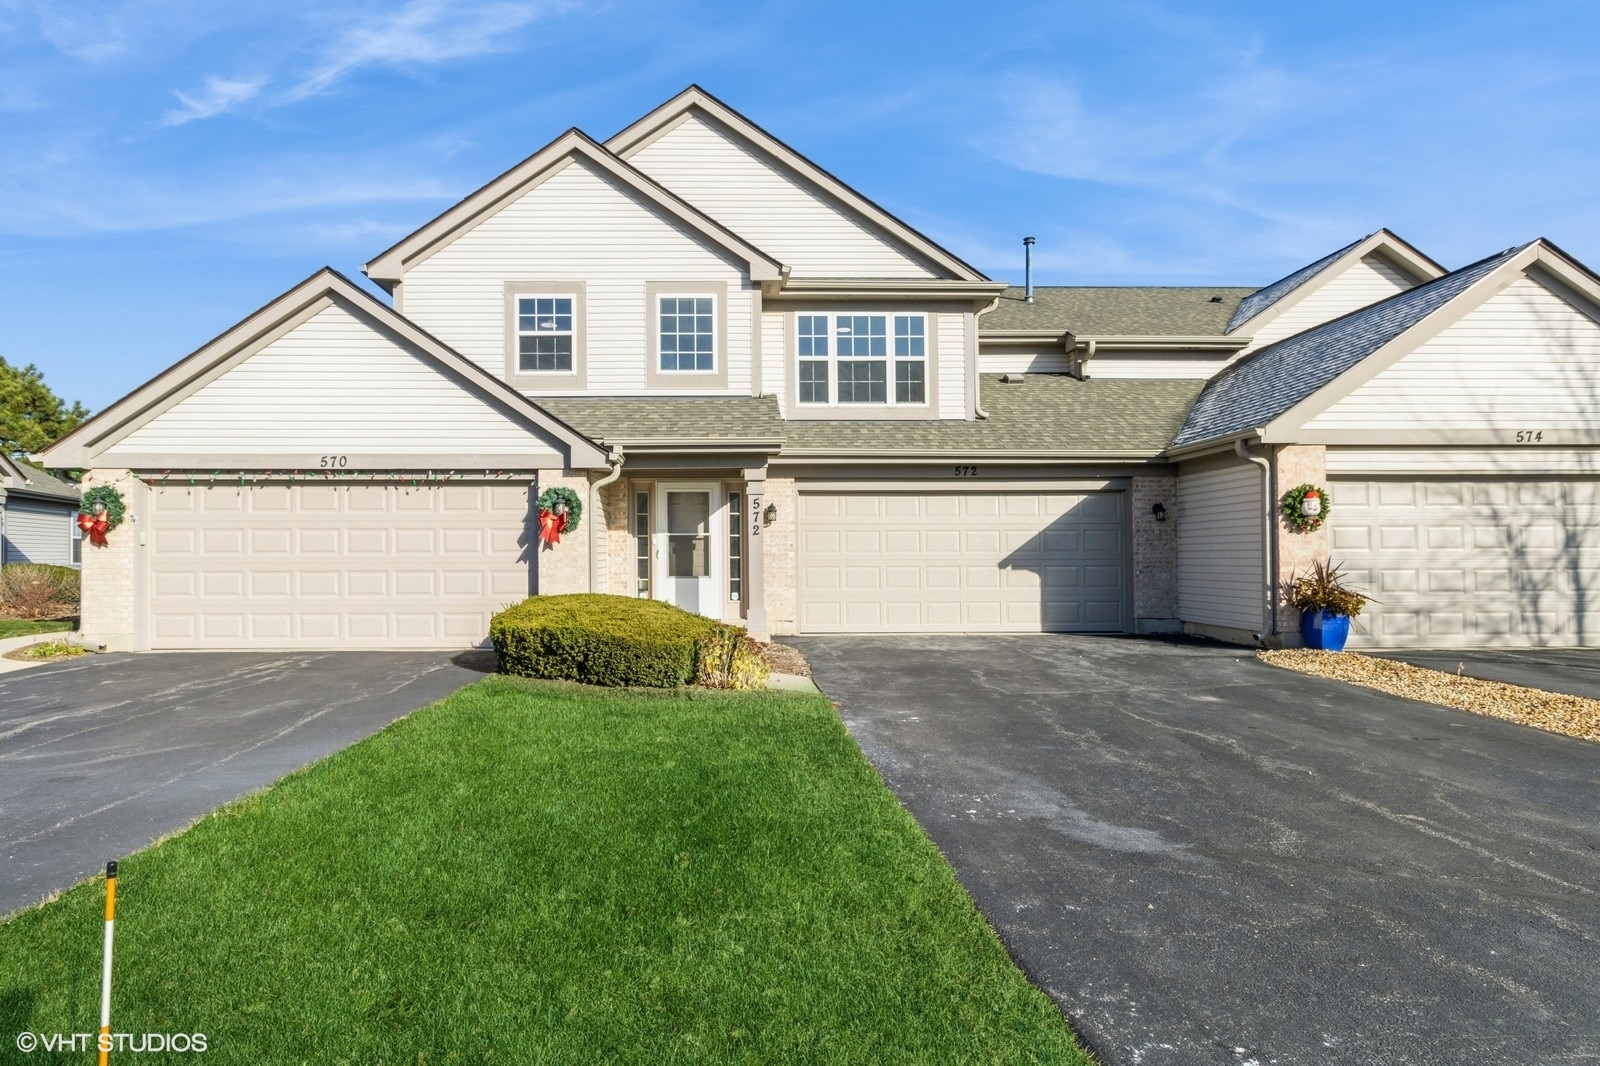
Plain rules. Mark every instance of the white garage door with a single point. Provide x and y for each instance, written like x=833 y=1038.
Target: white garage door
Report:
x=955 y=562
x=334 y=566
x=1471 y=563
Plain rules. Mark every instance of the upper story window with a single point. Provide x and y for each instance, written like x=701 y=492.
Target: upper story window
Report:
x=862 y=359
x=687 y=341
x=545 y=334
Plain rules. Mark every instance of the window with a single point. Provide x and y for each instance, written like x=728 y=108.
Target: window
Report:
x=862 y=359
x=735 y=544
x=77 y=542
x=688 y=333
x=641 y=541
x=544 y=334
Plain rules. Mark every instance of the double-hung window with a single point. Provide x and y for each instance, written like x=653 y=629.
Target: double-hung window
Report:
x=847 y=360
x=688 y=333
x=545 y=334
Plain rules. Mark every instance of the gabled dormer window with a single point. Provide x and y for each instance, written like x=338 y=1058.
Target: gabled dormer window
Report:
x=848 y=360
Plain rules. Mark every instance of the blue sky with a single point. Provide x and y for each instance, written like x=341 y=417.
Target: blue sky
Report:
x=170 y=165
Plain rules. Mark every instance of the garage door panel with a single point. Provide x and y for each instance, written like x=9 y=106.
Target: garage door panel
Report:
x=350 y=565
x=943 y=562
x=1492 y=562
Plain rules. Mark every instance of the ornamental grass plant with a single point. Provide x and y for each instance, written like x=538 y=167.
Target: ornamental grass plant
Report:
x=1322 y=588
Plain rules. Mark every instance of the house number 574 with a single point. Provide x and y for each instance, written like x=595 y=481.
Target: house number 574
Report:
x=1530 y=436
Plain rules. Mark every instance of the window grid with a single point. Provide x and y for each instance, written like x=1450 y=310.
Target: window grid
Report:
x=860 y=347
x=688 y=333
x=544 y=334
x=735 y=544
x=641 y=541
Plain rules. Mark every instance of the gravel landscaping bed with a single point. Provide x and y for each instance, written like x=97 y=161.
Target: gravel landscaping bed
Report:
x=782 y=659
x=1571 y=716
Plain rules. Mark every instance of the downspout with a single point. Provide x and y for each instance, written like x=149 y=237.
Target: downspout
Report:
x=594 y=524
x=1269 y=621
x=977 y=370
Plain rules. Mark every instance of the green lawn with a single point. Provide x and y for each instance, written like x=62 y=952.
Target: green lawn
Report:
x=539 y=872
x=21 y=627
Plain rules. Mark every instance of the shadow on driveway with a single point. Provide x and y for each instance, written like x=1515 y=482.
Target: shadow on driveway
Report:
x=101 y=755
x=1205 y=859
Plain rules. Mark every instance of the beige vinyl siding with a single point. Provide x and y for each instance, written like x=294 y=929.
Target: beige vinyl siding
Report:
x=577 y=224
x=1502 y=462
x=333 y=384
x=1471 y=562
x=770 y=205
x=1154 y=364
x=1366 y=281
x=36 y=533
x=1220 y=544
x=775 y=354
x=950 y=339
x=1525 y=359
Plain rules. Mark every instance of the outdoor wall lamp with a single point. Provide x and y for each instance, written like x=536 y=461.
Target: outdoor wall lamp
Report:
x=1160 y=511
x=769 y=514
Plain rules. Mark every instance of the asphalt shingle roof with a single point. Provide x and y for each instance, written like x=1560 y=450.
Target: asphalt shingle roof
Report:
x=1266 y=383
x=706 y=419
x=1118 y=311
x=1263 y=298
x=1045 y=414
x=40 y=483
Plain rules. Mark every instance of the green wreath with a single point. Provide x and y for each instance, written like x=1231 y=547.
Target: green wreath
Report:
x=1293 y=508
x=547 y=502
x=111 y=498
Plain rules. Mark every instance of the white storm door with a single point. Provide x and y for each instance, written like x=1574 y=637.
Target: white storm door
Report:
x=688 y=525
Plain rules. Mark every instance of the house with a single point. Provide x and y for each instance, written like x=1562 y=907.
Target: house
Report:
x=38 y=515
x=782 y=406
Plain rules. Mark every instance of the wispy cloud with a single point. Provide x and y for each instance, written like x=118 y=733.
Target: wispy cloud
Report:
x=425 y=33
x=215 y=97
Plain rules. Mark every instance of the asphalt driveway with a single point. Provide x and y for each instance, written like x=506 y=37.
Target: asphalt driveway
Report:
x=101 y=755
x=1205 y=859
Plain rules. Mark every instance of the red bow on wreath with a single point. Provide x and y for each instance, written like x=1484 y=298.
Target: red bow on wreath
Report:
x=552 y=524
x=95 y=525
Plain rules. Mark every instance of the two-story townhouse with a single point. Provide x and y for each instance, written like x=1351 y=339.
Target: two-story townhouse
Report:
x=778 y=404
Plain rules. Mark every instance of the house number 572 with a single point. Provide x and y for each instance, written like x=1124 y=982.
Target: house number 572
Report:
x=966 y=471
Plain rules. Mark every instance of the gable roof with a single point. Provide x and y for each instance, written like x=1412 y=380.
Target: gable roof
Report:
x=1116 y=311
x=388 y=266
x=18 y=477
x=1278 y=296
x=1268 y=382
x=694 y=98
x=77 y=449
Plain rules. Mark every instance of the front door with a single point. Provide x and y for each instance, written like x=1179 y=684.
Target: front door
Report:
x=687 y=520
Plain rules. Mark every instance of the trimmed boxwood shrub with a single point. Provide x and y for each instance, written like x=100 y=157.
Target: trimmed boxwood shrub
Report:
x=618 y=640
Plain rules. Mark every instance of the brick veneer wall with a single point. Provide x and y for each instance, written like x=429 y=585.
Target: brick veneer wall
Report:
x=778 y=543
x=1155 y=556
x=564 y=567
x=108 y=613
x=1295 y=464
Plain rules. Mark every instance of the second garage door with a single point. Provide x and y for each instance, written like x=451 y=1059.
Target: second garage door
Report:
x=1471 y=563
x=316 y=566
x=1014 y=562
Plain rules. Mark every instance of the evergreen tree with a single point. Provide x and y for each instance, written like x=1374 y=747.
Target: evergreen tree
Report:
x=31 y=416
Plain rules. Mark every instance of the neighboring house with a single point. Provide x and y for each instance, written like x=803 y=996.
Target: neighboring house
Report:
x=783 y=406
x=38 y=515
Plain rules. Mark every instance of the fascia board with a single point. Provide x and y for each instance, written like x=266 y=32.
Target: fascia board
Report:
x=390 y=265
x=636 y=135
x=875 y=288
x=1284 y=428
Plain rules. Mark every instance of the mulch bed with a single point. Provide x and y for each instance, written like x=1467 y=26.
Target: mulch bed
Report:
x=1572 y=716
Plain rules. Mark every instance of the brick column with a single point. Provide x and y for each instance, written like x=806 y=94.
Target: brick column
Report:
x=1295 y=464
x=562 y=567
x=1155 y=555
x=779 y=553
x=112 y=576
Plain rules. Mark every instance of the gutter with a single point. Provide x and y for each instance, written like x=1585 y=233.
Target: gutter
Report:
x=594 y=525
x=1269 y=548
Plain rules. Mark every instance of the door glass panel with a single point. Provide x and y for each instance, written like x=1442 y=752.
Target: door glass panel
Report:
x=688 y=534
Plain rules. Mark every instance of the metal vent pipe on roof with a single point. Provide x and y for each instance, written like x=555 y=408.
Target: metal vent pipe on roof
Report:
x=1027 y=269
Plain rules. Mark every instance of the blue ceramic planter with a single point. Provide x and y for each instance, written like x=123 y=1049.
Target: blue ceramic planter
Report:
x=1324 y=630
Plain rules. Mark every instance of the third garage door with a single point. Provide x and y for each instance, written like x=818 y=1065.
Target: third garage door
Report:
x=1009 y=562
